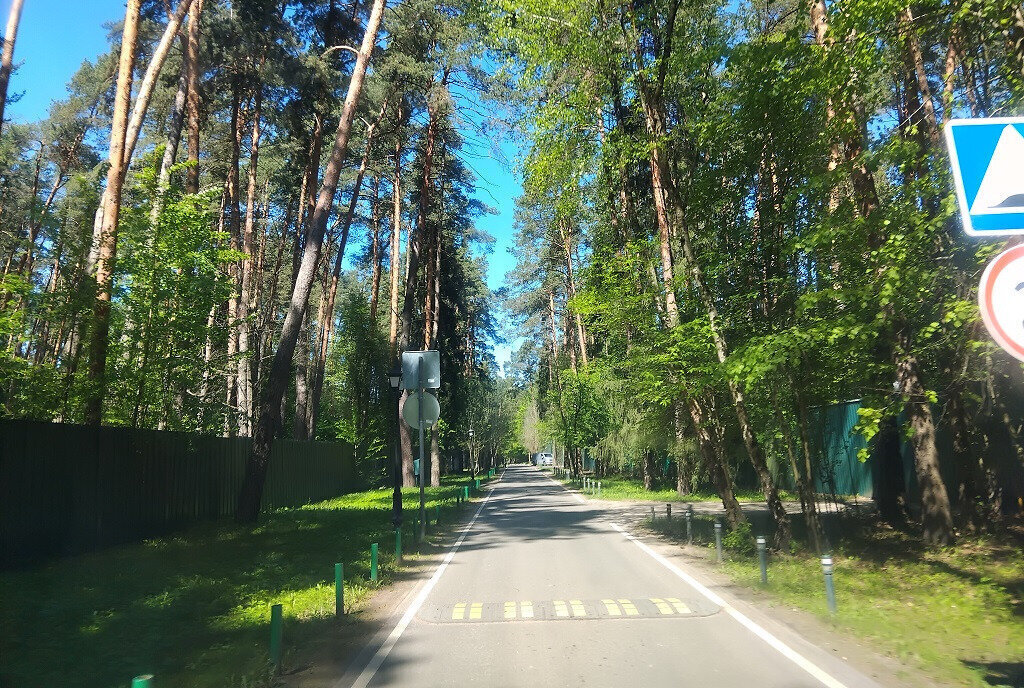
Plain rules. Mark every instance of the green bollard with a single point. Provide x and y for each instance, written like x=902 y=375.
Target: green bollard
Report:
x=143 y=681
x=465 y=493
x=373 y=562
x=478 y=484
x=398 y=545
x=339 y=590
x=275 y=635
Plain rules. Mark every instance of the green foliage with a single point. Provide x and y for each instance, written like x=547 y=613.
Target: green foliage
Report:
x=193 y=608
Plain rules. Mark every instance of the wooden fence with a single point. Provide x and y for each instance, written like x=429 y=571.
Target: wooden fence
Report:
x=66 y=489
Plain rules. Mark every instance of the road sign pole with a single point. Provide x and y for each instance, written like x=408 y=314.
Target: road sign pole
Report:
x=423 y=507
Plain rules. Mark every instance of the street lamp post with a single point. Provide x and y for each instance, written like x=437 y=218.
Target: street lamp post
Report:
x=472 y=463
x=395 y=380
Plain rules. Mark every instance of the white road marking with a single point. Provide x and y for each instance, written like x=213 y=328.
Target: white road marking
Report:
x=384 y=650
x=786 y=651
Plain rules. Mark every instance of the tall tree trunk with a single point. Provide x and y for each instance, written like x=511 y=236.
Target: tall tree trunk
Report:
x=416 y=236
x=277 y=380
x=98 y=344
x=376 y=254
x=435 y=321
x=581 y=334
x=936 y=514
x=174 y=127
x=300 y=427
x=705 y=426
x=7 y=59
x=805 y=480
x=666 y=200
x=553 y=319
x=327 y=321
x=145 y=93
x=396 y=242
x=246 y=303
x=232 y=211
x=192 y=101
x=435 y=459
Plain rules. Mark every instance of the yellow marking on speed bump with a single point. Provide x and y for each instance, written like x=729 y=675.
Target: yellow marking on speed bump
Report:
x=459 y=613
x=629 y=608
x=577 y=608
x=613 y=609
x=660 y=604
x=475 y=610
x=527 y=609
x=678 y=604
x=510 y=610
x=560 y=609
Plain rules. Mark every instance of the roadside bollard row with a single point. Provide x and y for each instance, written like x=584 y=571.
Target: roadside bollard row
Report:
x=462 y=495
x=761 y=546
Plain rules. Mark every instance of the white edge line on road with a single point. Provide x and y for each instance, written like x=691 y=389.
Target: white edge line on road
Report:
x=786 y=651
x=384 y=650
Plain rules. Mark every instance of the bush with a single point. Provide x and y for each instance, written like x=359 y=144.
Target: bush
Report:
x=740 y=540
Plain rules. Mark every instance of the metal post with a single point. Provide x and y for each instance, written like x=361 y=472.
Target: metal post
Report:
x=373 y=562
x=689 y=524
x=437 y=514
x=718 y=538
x=419 y=391
x=762 y=555
x=830 y=588
x=668 y=512
x=144 y=681
x=339 y=590
x=598 y=488
x=653 y=517
x=398 y=545
x=275 y=635
x=396 y=495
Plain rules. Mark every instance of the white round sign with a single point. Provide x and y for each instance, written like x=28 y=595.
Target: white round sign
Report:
x=1001 y=298
x=431 y=410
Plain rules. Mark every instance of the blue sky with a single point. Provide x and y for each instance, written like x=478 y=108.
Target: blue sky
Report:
x=56 y=36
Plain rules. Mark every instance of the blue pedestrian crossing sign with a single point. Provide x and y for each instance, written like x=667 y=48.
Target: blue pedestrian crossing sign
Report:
x=988 y=170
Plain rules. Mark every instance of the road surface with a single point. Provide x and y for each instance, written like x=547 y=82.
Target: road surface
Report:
x=545 y=590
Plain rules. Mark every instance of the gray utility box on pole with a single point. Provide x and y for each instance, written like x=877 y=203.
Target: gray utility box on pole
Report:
x=431 y=369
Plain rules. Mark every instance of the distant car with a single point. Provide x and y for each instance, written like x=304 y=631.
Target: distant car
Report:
x=545 y=459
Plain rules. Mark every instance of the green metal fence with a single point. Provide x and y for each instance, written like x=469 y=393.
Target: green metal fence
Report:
x=66 y=489
x=838 y=469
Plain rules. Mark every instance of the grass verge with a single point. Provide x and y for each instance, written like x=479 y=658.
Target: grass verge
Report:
x=631 y=489
x=194 y=608
x=955 y=613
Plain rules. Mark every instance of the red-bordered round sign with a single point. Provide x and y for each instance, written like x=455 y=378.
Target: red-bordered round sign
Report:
x=1001 y=298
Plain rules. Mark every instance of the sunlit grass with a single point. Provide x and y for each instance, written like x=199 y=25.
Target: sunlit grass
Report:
x=193 y=608
x=955 y=613
x=629 y=489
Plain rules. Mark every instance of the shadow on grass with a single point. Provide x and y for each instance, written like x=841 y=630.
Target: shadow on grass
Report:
x=1004 y=674
x=193 y=609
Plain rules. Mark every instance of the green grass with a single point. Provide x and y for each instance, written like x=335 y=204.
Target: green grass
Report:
x=955 y=613
x=630 y=489
x=194 y=609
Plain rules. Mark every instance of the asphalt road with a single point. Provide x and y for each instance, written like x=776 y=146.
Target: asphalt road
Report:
x=545 y=590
